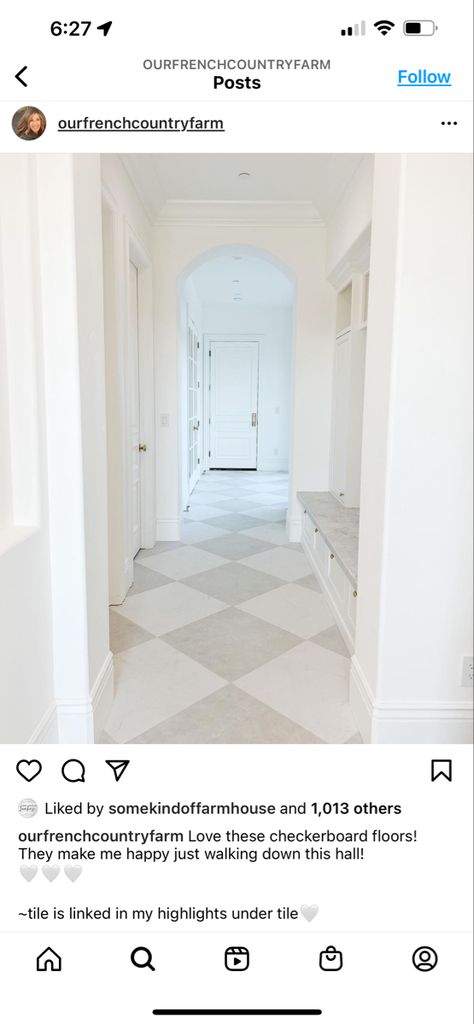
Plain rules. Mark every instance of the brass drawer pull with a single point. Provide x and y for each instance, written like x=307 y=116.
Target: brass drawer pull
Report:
x=331 y=555
x=354 y=593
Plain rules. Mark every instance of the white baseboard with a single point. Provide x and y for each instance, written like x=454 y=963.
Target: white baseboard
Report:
x=361 y=700
x=407 y=721
x=47 y=729
x=79 y=721
x=168 y=529
x=294 y=529
x=102 y=695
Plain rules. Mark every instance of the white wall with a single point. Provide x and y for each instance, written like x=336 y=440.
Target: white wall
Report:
x=56 y=665
x=351 y=217
x=414 y=605
x=26 y=678
x=127 y=232
x=299 y=248
x=273 y=325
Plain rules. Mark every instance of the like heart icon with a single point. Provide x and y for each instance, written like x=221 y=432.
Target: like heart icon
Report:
x=29 y=769
x=72 y=872
x=309 y=912
x=51 y=872
x=28 y=872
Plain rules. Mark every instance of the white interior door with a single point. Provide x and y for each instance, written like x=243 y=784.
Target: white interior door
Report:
x=194 y=407
x=233 y=405
x=134 y=411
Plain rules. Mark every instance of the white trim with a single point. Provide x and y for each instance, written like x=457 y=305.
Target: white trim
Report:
x=47 y=729
x=68 y=720
x=294 y=529
x=75 y=720
x=188 y=213
x=168 y=529
x=418 y=721
x=102 y=695
x=361 y=700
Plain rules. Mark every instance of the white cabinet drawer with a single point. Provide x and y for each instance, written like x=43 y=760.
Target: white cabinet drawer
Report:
x=321 y=553
x=338 y=581
x=351 y=607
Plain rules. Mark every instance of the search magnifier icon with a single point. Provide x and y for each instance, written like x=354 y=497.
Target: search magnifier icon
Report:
x=141 y=957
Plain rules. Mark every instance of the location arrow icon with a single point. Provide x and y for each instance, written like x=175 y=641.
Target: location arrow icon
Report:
x=105 y=28
x=118 y=768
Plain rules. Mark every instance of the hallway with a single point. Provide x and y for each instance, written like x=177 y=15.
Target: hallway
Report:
x=226 y=637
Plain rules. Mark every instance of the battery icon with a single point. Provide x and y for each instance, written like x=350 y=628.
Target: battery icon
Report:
x=419 y=28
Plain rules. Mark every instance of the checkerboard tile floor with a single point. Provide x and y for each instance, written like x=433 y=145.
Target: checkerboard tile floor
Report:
x=226 y=636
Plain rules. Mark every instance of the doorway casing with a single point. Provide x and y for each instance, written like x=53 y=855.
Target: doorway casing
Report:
x=121 y=248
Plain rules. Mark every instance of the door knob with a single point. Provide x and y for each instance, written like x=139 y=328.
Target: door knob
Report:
x=142 y=448
x=254 y=419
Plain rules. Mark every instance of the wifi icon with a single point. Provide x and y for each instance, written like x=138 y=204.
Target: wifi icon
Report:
x=384 y=26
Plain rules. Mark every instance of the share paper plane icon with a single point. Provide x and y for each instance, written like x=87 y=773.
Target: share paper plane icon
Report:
x=118 y=768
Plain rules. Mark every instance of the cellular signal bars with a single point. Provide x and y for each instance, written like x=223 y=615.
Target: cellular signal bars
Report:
x=356 y=30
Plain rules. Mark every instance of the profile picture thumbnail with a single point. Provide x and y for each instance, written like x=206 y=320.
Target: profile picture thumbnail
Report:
x=29 y=123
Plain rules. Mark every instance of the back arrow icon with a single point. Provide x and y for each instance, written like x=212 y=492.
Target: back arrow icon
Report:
x=19 y=74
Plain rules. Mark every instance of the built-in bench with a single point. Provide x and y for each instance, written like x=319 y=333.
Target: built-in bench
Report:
x=331 y=541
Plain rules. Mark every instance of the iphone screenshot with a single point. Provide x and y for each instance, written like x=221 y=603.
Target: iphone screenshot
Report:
x=236 y=650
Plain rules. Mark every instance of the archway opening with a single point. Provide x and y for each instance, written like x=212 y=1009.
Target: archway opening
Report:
x=236 y=306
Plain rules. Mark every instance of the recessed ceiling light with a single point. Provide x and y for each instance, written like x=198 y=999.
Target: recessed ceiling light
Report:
x=237 y=257
x=237 y=298
x=244 y=174
x=236 y=280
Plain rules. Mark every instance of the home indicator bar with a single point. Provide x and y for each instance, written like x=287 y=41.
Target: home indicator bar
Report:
x=238 y=1013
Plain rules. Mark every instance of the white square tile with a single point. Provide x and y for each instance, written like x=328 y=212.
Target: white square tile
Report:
x=152 y=683
x=280 y=561
x=196 y=533
x=274 y=533
x=184 y=561
x=296 y=609
x=312 y=690
x=166 y=608
x=206 y=496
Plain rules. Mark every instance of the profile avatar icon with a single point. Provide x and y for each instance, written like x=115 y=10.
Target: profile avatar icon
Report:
x=425 y=958
x=29 y=123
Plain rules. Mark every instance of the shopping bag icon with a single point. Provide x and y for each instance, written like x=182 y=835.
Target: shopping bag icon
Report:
x=330 y=959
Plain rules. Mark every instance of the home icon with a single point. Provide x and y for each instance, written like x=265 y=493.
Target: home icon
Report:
x=48 y=960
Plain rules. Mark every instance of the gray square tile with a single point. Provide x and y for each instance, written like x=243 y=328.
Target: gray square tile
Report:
x=230 y=643
x=124 y=634
x=232 y=504
x=333 y=640
x=233 y=521
x=227 y=716
x=234 y=546
x=229 y=582
x=145 y=578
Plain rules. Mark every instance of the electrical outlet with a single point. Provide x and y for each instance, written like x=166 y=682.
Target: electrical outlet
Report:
x=467 y=678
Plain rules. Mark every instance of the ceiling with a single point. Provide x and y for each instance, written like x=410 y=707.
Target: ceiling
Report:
x=256 y=281
x=318 y=178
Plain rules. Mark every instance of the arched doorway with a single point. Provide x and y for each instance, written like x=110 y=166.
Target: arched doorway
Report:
x=235 y=361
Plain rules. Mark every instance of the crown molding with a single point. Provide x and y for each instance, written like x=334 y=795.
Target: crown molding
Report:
x=192 y=213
